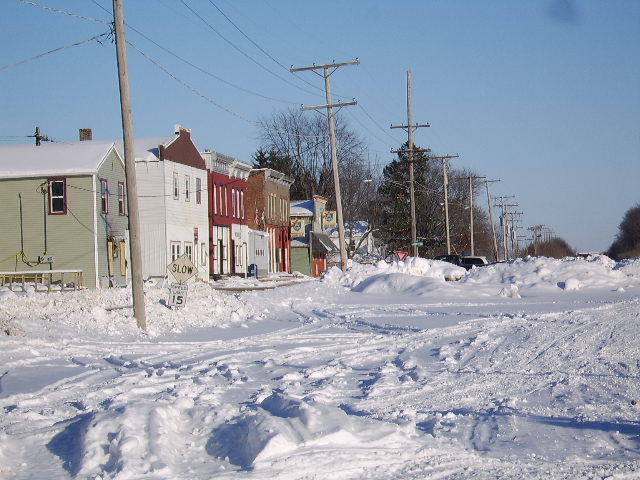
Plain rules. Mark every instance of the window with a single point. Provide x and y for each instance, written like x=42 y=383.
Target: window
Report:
x=121 y=199
x=187 y=188
x=188 y=250
x=198 y=191
x=58 y=196
x=176 y=186
x=104 y=195
x=175 y=250
x=233 y=202
x=226 y=201
x=215 y=199
x=242 y=204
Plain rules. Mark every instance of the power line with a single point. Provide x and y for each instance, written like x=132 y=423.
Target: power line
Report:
x=200 y=69
x=70 y=14
x=238 y=49
x=212 y=101
x=209 y=73
x=55 y=50
x=259 y=47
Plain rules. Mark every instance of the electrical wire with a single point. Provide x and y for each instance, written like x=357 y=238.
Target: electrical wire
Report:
x=209 y=99
x=70 y=14
x=209 y=73
x=238 y=49
x=262 y=49
x=75 y=44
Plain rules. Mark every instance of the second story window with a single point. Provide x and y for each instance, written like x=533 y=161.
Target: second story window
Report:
x=187 y=188
x=233 y=202
x=57 y=196
x=198 y=191
x=121 y=199
x=176 y=186
x=104 y=195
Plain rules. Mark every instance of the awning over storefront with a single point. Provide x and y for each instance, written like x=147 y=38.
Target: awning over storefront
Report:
x=321 y=243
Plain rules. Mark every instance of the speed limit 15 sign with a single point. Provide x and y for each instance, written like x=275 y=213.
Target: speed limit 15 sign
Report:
x=178 y=295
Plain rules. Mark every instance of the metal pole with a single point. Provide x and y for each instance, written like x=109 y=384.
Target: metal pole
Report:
x=336 y=176
x=412 y=197
x=130 y=169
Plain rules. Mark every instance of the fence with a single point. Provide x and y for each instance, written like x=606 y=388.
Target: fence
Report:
x=42 y=280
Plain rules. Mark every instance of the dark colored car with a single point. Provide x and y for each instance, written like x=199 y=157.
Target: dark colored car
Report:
x=465 y=261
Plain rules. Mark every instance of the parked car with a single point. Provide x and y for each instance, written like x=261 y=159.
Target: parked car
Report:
x=465 y=261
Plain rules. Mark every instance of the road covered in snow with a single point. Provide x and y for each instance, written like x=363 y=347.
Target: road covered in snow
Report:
x=528 y=369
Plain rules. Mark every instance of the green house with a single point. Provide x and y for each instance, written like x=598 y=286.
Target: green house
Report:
x=63 y=210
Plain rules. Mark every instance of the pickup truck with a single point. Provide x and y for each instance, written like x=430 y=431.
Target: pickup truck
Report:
x=465 y=261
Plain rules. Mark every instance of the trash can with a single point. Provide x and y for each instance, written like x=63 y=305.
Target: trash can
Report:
x=253 y=270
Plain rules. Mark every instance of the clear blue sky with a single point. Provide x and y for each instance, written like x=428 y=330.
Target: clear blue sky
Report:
x=543 y=94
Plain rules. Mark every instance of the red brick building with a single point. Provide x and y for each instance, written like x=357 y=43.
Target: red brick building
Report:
x=267 y=208
x=228 y=230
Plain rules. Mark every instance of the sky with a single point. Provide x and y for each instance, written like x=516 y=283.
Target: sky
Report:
x=543 y=95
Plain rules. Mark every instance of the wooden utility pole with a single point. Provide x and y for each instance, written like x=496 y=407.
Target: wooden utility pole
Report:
x=493 y=225
x=130 y=169
x=39 y=138
x=471 y=179
x=503 y=221
x=327 y=71
x=410 y=150
x=537 y=234
x=445 y=184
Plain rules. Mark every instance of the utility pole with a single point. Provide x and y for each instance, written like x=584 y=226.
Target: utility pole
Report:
x=504 y=223
x=537 y=234
x=328 y=69
x=514 y=233
x=445 y=183
x=130 y=169
x=493 y=226
x=410 y=150
x=471 y=179
x=40 y=138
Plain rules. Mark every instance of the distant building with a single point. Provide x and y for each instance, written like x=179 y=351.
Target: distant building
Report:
x=267 y=209
x=228 y=229
x=309 y=245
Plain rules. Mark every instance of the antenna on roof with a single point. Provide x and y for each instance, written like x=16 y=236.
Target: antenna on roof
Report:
x=40 y=138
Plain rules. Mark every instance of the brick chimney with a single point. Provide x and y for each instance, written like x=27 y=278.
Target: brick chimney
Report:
x=85 y=134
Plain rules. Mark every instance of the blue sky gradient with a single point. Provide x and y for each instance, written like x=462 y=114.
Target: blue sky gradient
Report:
x=543 y=94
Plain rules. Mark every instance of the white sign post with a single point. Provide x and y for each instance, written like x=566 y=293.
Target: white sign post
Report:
x=182 y=269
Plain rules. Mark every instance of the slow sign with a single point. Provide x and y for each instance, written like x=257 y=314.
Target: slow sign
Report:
x=182 y=269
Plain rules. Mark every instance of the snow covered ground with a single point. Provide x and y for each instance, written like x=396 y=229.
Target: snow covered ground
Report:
x=529 y=369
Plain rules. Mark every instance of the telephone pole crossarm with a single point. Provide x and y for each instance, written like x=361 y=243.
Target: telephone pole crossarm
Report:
x=406 y=127
x=334 y=105
x=328 y=65
x=414 y=150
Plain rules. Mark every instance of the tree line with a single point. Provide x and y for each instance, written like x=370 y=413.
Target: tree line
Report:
x=297 y=145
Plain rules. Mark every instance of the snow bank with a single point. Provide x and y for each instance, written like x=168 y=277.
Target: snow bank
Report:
x=419 y=267
x=569 y=274
x=84 y=314
x=422 y=277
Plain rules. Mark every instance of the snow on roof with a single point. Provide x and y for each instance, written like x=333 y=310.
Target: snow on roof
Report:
x=48 y=159
x=146 y=149
x=302 y=208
